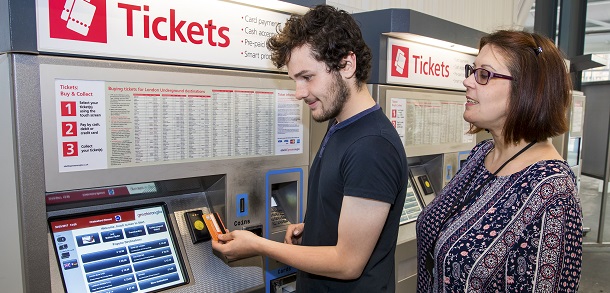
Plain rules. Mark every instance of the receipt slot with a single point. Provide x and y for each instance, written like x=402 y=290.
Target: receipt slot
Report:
x=283 y=206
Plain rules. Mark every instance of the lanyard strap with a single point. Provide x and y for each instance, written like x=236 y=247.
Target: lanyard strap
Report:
x=529 y=145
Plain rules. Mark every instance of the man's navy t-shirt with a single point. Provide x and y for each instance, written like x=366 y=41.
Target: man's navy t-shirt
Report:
x=362 y=156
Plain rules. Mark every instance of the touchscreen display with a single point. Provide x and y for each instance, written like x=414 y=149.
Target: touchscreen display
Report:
x=131 y=250
x=412 y=206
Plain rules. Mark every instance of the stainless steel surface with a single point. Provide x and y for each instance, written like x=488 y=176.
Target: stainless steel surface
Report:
x=210 y=272
x=10 y=241
x=30 y=172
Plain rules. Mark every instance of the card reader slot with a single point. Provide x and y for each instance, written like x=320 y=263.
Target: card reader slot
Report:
x=196 y=226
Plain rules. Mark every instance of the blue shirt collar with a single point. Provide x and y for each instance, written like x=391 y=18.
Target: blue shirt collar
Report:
x=336 y=126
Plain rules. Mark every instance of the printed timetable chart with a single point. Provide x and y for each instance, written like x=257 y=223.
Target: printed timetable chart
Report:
x=104 y=124
x=423 y=122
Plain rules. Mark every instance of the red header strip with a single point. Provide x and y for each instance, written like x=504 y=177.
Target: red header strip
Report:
x=80 y=195
x=92 y=221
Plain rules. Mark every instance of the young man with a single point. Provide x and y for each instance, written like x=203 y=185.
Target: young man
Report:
x=357 y=182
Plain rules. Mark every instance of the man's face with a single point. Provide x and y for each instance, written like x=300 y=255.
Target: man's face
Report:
x=324 y=92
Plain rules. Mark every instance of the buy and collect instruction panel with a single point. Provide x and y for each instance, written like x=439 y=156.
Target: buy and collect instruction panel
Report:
x=107 y=124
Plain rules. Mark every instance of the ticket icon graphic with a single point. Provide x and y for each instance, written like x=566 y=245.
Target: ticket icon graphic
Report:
x=78 y=14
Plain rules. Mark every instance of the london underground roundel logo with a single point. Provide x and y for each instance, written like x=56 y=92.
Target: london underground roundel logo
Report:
x=79 y=20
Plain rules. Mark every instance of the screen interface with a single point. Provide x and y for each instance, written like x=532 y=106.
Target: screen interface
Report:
x=412 y=206
x=283 y=204
x=124 y=251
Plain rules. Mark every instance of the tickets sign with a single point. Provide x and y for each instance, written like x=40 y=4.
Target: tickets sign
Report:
x=185 y=31
x=412 y=63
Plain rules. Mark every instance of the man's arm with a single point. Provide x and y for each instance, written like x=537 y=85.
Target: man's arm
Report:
x=360 y=224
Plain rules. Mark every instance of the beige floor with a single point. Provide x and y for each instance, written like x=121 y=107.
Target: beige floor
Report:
x=595 y=276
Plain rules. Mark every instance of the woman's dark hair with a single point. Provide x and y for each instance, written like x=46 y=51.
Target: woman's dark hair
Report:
x=541 y=87
x=332 y=35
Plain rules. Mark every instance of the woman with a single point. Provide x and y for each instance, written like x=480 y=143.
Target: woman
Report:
x=510 y=220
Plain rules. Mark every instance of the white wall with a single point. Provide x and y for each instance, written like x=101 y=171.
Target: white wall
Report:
x=483 y=15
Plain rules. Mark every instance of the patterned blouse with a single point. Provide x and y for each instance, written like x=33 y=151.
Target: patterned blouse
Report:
x=518 y=233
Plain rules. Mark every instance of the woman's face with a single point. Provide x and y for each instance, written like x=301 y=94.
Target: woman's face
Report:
x=487 y=105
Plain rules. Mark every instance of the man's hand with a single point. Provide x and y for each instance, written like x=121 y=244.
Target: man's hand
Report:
x=294 y=233
x=237 y=244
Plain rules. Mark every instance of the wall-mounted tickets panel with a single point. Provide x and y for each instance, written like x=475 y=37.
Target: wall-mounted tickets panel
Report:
x=428 y=121
x=107 y=123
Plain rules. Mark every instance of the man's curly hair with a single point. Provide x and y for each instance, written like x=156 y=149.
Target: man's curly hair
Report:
x=332 y=35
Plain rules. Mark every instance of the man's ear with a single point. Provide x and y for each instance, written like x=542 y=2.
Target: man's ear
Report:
x=349 y=70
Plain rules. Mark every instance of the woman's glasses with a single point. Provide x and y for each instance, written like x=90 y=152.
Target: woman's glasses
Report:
x=482 y=76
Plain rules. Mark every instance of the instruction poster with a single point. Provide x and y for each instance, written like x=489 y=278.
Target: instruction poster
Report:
x=106 y=124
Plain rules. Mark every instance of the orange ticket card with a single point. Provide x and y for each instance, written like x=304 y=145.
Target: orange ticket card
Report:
x=214 y=224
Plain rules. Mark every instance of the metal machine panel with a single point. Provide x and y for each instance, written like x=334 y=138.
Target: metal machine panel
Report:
x=208 y=272
x=597 y=131
x=30 y=171
x=10 y=231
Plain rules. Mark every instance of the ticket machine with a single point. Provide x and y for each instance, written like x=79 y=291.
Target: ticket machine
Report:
x=569 y=144
x=176 y=157
x=133 y=134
